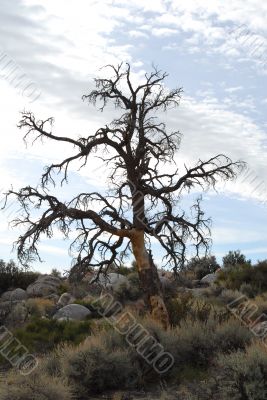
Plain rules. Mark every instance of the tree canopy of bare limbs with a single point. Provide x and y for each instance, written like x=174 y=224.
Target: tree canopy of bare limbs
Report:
x=145 y=186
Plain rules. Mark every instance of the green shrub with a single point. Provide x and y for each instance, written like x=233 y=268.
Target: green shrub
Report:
x=63 y=288
x=41 y=335
x=125 y=292
x=242 y=275
x=107 y=361
x=34 y=387
x=187 y=307
x=179 y=307
x=234 y=276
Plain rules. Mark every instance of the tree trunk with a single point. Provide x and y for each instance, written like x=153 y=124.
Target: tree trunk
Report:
x=149 y=279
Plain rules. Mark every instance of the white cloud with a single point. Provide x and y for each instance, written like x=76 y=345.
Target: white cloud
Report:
x=233 y=89
x=138 y=34
x=163 y=32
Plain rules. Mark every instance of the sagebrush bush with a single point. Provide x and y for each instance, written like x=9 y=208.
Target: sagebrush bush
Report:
x=244 y=374
x=231 y=336
x=201 y=310
x=195 y=343
x=92 y=367
x=35 y=386
x=51 y=364
x=185 y=306
x=248 y=290
x=227 y=296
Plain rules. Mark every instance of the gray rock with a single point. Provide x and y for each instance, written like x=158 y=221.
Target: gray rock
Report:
x=14 y=295
x=5 y=308
x=44 y=286
x=65 y=299
x=18 y=314
x=112 y=280
x=209 y=279
x=75 y=312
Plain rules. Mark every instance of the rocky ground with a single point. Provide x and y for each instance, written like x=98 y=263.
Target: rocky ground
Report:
x=205 y=339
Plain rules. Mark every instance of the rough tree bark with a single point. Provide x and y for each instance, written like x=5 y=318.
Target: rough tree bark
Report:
x=149 y=279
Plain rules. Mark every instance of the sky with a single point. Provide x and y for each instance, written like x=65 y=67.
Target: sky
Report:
x=51 y=51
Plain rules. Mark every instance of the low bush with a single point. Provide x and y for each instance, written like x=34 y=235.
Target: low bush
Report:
x=185 y=306
x=227 y=296
x=240 y=375
x=248 y=290
x=195 y=343
x=41 y=335
x=244 y=374
x=127 y=292
x=92 y=367
x=242 y=275
x=39 y=307
x=231 y=336
x=107 y=361
x=34 y=387
x=233 y=277
x=179 y=307
x=63 y=288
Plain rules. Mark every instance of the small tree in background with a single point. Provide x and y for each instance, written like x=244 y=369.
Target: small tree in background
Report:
x=202 y=266
x=234 y=258
x=55 y=272
x=12 y=276
x=145 y=186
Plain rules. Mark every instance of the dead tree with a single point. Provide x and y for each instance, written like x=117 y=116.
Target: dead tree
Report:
x=145 y=186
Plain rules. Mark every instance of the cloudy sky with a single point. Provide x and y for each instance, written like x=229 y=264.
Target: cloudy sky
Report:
x=50 y=51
